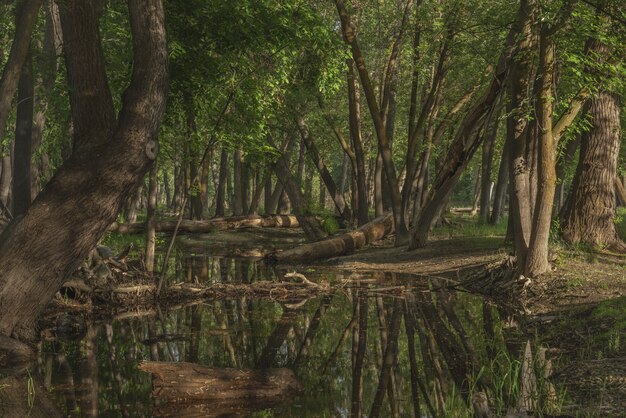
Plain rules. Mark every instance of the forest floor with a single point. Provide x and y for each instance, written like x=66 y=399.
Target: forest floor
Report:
x=580 y=276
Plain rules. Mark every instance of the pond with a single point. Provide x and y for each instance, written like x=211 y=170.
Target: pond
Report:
x=375 y=345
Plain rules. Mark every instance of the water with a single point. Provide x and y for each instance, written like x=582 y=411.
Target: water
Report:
x=376 y=345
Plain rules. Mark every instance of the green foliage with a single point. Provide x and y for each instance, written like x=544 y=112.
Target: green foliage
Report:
x=330 y=224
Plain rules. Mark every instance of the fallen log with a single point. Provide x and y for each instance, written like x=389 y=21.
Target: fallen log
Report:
x=181 y=382
x=211 y=225
x=337 y=246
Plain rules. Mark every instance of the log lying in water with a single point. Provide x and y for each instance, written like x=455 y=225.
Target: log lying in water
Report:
x=175 y=382
x=337 y=246
x=211 y=225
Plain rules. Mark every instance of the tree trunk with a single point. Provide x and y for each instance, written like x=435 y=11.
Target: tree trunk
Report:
x=184 y=382
x=220 y=199
x=336 y=246
x=26 y=17
x=491 y=133
x=39 y=251
x=499 y=197
x=327 y=178
x=465 y=142
x=310 y=225
x=22 y=153
x=356 y=137
x=5 y=180
x=150 y=219
x=590 y=212
x=211 y=225
x=566 y=158
x=237 y=182
x=537 y=262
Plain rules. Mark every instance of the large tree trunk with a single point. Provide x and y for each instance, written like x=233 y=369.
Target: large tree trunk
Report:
x=39 y=251
x=590 y=212
x=22 y=153
x=499 y=197
x=336 y=246
x=150 y=219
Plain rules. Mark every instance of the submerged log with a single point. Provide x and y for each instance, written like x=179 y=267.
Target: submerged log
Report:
x=211 y=225
x=174 y=382
x=337 y=246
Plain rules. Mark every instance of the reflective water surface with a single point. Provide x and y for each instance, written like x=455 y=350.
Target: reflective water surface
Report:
x=375 y=345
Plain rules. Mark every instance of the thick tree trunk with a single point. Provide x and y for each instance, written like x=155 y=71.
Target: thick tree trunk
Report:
x=590 y=212
x=22 y=153
x=537 y=262
x=237 y=182
x=39 y=251
x=211 y=225
x=337 y=246
x=183 y=382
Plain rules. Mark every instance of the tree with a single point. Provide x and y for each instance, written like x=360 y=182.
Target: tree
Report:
x=589 y=216
x=111 y=156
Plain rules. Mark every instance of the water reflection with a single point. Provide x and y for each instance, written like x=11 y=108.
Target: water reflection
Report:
x=408 y=349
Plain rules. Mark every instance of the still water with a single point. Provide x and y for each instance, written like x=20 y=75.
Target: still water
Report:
x=375 y=345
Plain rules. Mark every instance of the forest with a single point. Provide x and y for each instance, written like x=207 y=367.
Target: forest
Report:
x=378 y=208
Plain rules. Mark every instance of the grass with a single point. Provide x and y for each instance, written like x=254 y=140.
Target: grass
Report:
x=466 y=225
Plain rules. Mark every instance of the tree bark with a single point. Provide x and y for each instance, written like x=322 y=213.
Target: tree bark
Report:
x=590 y=212
x=24 y=23
x=182 y=382
x=310 y=225
x=39 y=251
x=150 y=219
x=336 y=246
x=537 y=262
x=22 y=153
x=499 y=197
x=354 y=107
x=211 y=225
x=491 y=133
x=220 y=199
x=327 y=178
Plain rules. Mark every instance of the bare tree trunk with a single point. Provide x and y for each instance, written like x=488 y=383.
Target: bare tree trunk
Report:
x=36 y=253
x=237 y=183
x=5 y=180
x=357 y=143
x=590 y=212
x=22 y=154
x=501 y=184
x=24 y=24
x=327 y=179
x=566 y=158
x=220 y=199
x=491 y=132
x=151 y=219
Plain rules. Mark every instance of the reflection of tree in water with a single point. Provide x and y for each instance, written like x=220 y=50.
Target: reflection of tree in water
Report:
x=361 y=350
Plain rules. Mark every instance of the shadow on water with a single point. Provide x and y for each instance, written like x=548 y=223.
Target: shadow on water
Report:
x=375 y=346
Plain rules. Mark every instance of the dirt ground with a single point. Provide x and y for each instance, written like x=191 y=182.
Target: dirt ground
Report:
x=578 y=278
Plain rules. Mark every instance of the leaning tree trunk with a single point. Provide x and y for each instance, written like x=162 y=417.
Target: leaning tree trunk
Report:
x=589 y=216
x=39 y=251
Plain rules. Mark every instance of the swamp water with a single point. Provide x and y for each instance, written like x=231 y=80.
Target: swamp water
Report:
x=375 y=345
